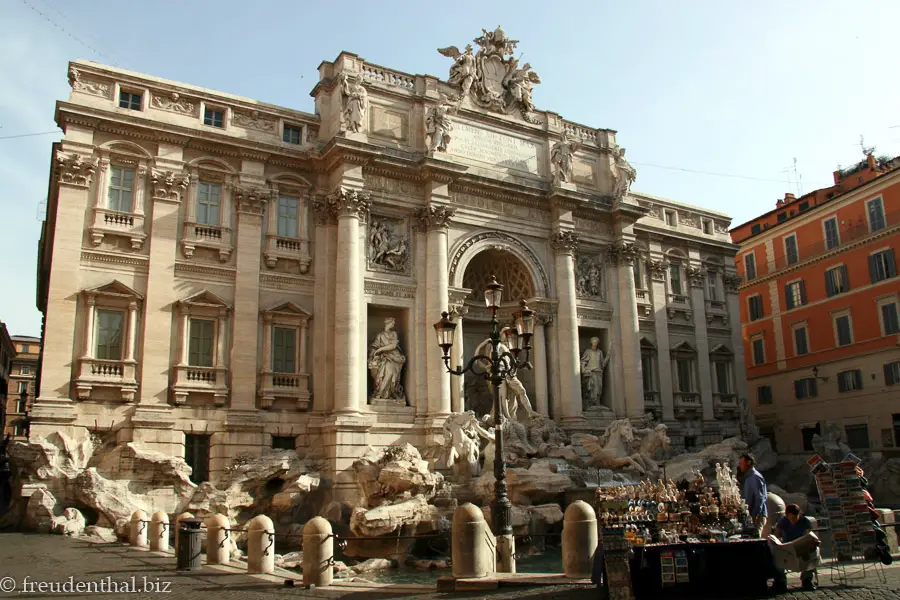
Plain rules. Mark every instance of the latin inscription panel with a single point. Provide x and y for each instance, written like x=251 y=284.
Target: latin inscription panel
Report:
x=498 y=150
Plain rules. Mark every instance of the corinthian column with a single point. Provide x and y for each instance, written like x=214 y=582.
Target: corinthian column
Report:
x=434 y=219
x=350 y=207
x=457 y=387
x=624 y=255
x=539 y=358
x=565 y=243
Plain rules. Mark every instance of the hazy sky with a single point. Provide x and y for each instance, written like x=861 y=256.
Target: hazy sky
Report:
x=726 y=87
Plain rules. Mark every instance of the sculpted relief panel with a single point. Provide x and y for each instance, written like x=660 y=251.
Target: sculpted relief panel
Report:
x=388 y=247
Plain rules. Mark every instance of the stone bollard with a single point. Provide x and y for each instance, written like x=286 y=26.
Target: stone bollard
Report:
x=260 y=545
x=138 y=532
x=318 y=553
x=159 y=532
x=579 y=540
x=218 y=540
x=473 y=546
x=178 y=519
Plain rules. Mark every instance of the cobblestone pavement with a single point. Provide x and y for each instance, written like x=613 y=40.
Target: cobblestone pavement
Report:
x=26 y=560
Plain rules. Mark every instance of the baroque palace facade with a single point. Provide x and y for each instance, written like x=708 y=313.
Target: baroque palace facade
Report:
x=219 y=275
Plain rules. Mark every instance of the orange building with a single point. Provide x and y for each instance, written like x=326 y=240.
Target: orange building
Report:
x=820 y=311
x=21 y=387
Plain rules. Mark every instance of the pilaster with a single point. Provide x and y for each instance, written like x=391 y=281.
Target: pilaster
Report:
x=739 y=368
x=657 y=269
x=457 y=384
x=325 y=257
x=695 y=276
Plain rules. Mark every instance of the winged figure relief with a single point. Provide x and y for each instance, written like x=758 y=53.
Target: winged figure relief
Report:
x=463 y=71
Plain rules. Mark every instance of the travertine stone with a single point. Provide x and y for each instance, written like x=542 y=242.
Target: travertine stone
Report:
x=218 y=548
x=260 y=545
x=318 y=553
x=579 y=540
x=473 y=545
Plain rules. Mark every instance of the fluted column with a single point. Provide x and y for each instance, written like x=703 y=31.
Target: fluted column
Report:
x=350 y=207
x=552 y=339
x=624 y=255
x=435 y=220
x=325 y=236
x=457 y=355
x=90 y=314
x=539 y=359
x=698 y=306
x=564 y=244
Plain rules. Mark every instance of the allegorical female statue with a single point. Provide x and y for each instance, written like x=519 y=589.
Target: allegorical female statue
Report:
x=593 y=364
x=386 y=364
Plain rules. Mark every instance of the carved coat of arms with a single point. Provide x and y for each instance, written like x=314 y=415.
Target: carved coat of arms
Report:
x=491 y=78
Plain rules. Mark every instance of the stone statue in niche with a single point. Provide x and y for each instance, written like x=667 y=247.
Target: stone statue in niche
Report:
x=439 y=124
x=387 y=251
x=589 y=277
x=512 y=392
x=386 y=362
x=593 y=366
x=625 y=174
x=562 y=159
x=353 y=115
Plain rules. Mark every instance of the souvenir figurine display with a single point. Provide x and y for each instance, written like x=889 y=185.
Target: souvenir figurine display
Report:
x=663 y=513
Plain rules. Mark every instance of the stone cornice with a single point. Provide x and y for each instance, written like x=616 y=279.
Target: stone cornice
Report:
x=283 y=281
x=377 y=287
x=189 y=270
x=140 y=263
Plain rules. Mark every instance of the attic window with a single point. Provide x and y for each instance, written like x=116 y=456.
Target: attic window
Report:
x=782 y=217
x=804 y=206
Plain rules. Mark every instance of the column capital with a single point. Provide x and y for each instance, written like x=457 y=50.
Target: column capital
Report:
x=564 y=242
x=251 y=200
x=658 y=269
x=168 y=186
x=458 y=311
x=695 y=275
x=434 y=216
x=623 y=252
x=732 y=282
x=349 y=203
x=74 y=169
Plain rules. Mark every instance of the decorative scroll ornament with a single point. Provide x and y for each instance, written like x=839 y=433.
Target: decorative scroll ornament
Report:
x=167 y=185
x=344 y=202
x=732 y=281
x=73 y=169
x=492 y=77
x=174 y=103
x=251 y=200
x=564 y=242
x=95 y=88
x=625 y=174
x=434 y=216
x=623 y=252
x=254 y=120
x=695 y=275
x=657 y=269
x=354 y=99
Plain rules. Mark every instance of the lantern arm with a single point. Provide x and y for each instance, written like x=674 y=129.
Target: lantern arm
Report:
x=470 y=366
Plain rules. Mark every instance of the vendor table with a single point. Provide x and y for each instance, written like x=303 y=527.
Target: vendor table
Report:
x=721 y=570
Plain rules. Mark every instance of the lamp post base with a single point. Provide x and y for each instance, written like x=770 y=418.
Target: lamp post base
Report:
x=506 y=554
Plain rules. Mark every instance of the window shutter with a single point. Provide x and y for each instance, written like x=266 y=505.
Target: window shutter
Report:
x=845 y=278
x=194 y=347
x=813 y=387
x=891 y=265
x=788 y=296
x=872 y=269
x=798 y=389
x=842 y=383
x=889 y=374
x=829 y=284
x=802 y=293
x=208 y=344
x=857 y=377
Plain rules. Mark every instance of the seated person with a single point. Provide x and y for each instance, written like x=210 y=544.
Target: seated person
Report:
x=791 y=527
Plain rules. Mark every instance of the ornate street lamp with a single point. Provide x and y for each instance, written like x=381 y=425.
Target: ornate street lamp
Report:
x=507 y=344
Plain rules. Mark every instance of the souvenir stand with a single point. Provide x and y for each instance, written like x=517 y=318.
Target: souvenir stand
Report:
x=858 y=542
x=660 y=539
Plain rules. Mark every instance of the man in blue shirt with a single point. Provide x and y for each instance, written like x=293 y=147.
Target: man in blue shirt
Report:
x=790 y=527
x=753 y=491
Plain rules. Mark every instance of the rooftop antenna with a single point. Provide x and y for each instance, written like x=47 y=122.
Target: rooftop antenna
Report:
x=799 y=177
x=862 y=145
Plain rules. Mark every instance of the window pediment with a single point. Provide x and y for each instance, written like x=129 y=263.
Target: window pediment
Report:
x=645 y=343
x=113 y=290
x=721 y=350
x=204 y=301
x=287 y=312
x=684 y=349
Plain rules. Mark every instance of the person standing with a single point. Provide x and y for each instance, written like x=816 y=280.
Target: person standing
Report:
x=753 y=491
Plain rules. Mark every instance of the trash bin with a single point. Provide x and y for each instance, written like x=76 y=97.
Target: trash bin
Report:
x=189 y=545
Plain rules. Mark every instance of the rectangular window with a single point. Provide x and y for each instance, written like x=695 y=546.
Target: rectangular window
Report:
x=836 y=280
x=638 y=275
x=213 y=117
x=756 y=307
x=712 y=284
x=804 y=206
x=882 y=265
x=671 y=219
x=889 y=318
x=801 y=342
x=208 y=202
x=849 y=381
x=291 y=134
x=25 y=349
x=284 y=442
x=129 y=100
x=690 y=442
x=876 y=215
x=109 y=335
x=647 y=371
x=843 y=330
x=805 y=388
x=759 y=351
x=832 y=237
x=196 y=455
x=684 y=367
x=121 y=188
x=25 y=370
x=764 y=394
x=200 y=349
x=782 y=217
x=857 y=436
x=675 y=278
x=284 y=345
x=23 y=387
x=707 y=227
x=21 y=405
x=791 y=252
x=287 y=217
x=892 y=374
x=723 y=380
x=755 y=228
x=750 y=266
x=795 y=294
x=808 y=433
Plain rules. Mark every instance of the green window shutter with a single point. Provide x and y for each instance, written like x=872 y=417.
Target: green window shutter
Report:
x=891 y=264
x=873 y=269
x=845 y=278
x=788 y=297
x=802 y=293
